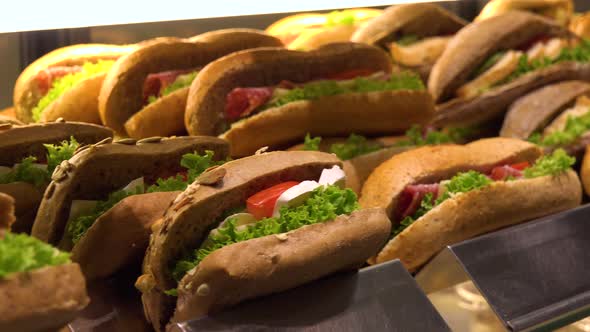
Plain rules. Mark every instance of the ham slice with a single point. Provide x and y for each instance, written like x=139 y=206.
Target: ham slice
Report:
x=47 y=76
x=155 y=83
x=412 y=196
x=241 y=102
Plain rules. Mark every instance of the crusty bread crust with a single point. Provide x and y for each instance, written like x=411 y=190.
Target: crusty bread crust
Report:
x=492 y=104
x=435 y=163
x=79 y=103
x=164 y=117
x=119 y=237
x=535 y=110
x=467 y=215
x=26 y=93
x=477 y=41
x=42 y=300
x=18 y=142
x=180 y=230
x=102 y=168
x=419 y=19
x=580 y=25
x=498 y=7
x=276 y=263
x=585 y=171
x=374 y=113
x=6 y=212
x=122 y=93
x=27 y=198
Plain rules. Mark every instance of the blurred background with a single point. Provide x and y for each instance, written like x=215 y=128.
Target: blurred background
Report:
x=19 y=48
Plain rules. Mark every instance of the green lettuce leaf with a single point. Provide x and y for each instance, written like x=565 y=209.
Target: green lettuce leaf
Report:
x=426 y=205
x=343 y=17
x=489 y=63
x=557 y=162
x=451 y=135
x=311 y=144
x=325 y=203
x=182 y=81
x=20 y=253
x=58 y=153
x=574 y=128
x=63 y=84
x=27 y=172
x=318 y=89
x=354 y=146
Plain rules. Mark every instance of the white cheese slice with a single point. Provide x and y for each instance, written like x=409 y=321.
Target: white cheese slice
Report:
x=243 y=219
x=553 y=47
x=295 y=195
x=332 y=176
x=81 y=207
x=133 y=185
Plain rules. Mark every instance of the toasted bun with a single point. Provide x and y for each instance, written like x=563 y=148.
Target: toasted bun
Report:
x=580 y=25
x=492 y=104
x=480 y=211
x=534 y=111
x=26 y=92
x=241 y=271
x=6 y=212
x=419 y=19
x=18 y=142
x=206 y=203
x=364 y=113
x=122 y=93
x=559 y=10
x=45 y=299
x=27 y=198
x=98 y=170
x=119 y=237
x=585 y=171
x=473 y=44
x=470 y=214
x=435 y=163
x=7 y=116
x=310 y=31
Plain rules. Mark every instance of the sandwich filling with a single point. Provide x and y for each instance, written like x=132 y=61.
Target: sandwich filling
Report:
x=417 y=200
x=243 y=102
x=357 y=145
x=22 y=253
x=278 y=209
x=83 y=213
x=38 y=172
x=413 y=51
x=507 y=65
x=53 y=82
x=569 y=127
x=158 y=85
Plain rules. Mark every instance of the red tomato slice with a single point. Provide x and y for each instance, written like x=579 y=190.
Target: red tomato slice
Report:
x=262 y=204
x=347 y=75
x=521 y=166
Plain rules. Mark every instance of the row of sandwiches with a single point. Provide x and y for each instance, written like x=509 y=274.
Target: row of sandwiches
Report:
x=210 y=232
x=240 y=163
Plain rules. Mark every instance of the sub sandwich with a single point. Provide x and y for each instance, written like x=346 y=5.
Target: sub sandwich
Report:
x=284 y=94
x=41 y=289
x=30 y=153
x=65 y=83
x=415 y=34
x=440 y=195
x=252 y=227
x=491 y=63
x=555 y=116
x=361 y=155
x=144 y=94
x=102 y=202
x=560 y=11
x=312 y=30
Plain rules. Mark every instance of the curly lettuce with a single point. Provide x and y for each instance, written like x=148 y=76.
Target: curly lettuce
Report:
x=575 y=127
x=21 y=253
x=311 y=144
x=354 y=146
x=340 y=17
x=181 y=82
x=415 y=136
x=318 y=89
x=63 y=84
x=325 y=203
x=28 y=172
x=193 y=162
x=555 y=163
